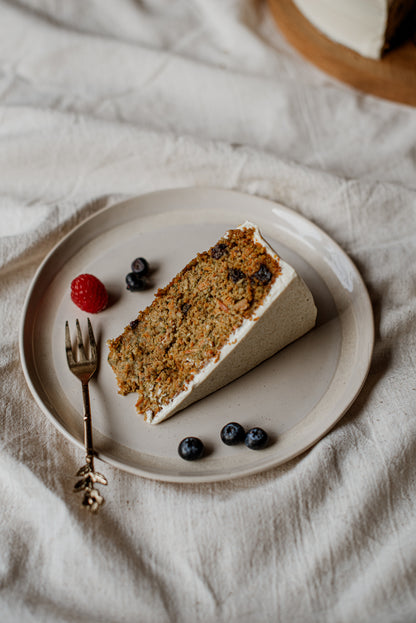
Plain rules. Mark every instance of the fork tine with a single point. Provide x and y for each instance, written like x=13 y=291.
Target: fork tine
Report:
x=68 y=345
x=93 y=345
x=82 y=354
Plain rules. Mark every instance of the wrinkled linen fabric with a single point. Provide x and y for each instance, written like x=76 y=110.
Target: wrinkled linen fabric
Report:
x=102 y=101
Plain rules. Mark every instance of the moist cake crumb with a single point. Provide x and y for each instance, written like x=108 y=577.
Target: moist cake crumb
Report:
x=191 y=319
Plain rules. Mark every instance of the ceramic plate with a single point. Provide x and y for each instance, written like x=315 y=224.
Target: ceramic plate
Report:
x=296 y=396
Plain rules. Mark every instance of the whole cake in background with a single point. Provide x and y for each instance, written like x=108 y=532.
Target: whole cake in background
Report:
x=369 y=27
x=229 y=309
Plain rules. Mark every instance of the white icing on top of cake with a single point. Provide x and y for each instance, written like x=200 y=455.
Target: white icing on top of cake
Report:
x=357 y=24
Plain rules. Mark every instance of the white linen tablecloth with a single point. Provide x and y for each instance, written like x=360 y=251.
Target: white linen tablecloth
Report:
x=101 y=101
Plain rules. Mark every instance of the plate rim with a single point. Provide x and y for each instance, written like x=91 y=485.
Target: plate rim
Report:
x=197 y=478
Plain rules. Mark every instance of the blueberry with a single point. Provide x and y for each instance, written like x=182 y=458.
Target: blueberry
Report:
x=232 y=434
x=256 y=438
x=134 y=282
x=191 y=448
x=140 y=266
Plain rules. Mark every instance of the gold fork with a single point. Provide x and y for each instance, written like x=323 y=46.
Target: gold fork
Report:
x=84 y=367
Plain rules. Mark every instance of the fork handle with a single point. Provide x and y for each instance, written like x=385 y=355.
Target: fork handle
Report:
x=89 y=451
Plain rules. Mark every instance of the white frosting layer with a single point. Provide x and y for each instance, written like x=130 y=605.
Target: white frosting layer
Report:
x=287 y=312
x=357 y=24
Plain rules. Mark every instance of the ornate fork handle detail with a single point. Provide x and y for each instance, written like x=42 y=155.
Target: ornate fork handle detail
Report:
x=88 y=477
x=84 y=368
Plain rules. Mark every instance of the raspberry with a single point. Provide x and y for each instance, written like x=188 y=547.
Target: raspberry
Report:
x=89 y=294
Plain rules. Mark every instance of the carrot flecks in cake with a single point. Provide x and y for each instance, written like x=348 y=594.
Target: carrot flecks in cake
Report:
x=191 y=319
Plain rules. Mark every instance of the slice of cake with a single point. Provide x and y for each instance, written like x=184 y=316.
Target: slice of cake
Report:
x=228 y=310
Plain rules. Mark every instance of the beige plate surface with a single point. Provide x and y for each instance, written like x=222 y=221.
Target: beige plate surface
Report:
x=297 y=396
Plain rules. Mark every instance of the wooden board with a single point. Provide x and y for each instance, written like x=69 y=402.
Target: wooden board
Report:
x=393 y=77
